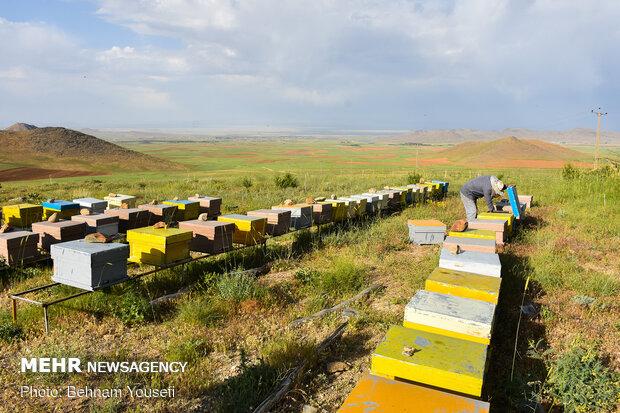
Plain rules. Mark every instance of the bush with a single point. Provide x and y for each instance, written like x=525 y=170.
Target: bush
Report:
x=569 y=172
x=413 y=178
x=10 y=331
x=203 y=311
x=286 y=181
x=246 y=182
x=580 y=381
x=344 y=277
x=134 y=308
x=240 y=287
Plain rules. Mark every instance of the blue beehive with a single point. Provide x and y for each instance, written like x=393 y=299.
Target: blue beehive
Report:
x=513 y=198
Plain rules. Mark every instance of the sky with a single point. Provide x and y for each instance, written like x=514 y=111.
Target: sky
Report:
x=330 y=64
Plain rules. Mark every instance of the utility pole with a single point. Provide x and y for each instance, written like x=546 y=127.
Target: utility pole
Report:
x=599 y=115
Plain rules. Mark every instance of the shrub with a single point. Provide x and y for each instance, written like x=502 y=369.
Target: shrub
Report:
x=134 y=308
x=344 y=277
x=569 y=172
x=580 y=381
x=413 y=178
x=10 y=331
x=240 y=287
x=203 y=311
x=246 y=182
x=286 y=181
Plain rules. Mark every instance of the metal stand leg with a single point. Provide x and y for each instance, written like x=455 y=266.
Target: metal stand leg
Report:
x=46 y=319
x=14 y=310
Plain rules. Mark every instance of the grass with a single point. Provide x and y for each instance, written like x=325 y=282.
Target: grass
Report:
x=232 y=328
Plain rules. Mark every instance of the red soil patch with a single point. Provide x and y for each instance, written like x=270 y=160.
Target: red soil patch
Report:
x=28 y=174
x=532 y=163
x=430 y=161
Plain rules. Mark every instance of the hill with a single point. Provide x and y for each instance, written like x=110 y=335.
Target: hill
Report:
x=512 y=152
x=16 y=127
x=71 y=151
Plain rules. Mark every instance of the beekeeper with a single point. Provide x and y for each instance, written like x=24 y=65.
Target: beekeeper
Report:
x=487 y=186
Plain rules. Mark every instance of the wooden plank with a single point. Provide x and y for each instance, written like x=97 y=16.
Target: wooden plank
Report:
x=464 y=284
x=469 y=261
x=431 y=359
x=374 y=394
x=451 y=316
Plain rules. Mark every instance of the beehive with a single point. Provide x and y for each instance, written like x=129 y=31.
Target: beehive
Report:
x=374 y=394
x=426 y=231
x=472 y=244
x=436 y=360
x=444 y=186
x=301 y=214
x=361 y=205
x=527 y=200
x=408 y=192
x=322 y=213
x=505 y=206
x=464 y=284
x=248 y=230
x=474 y=233
x=158 y=246
x=396 y=199
x=496 y=225
x=354 y=208
x=19 y=247
x=372 y=203
x=469 y=261
x=508 y=217
x=417 y=195
x=130 y=218
x=383 y=199
x=102 y=223
x=56 y=232
x=117 y=201
x=160 y=212
x=450 y=316
x=64 y=209
x=278 y=220
x=22 y=215
x=339 y=209
x=211 y=237
x=186 y=210
x=89 y=265
x=209 y=205
x=94 y=205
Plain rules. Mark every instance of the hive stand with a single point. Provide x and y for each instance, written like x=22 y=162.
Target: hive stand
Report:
x=450 y=316
x=469 y=261
x=464 y=284
x=472 y=244
x=374 y=394
x=434 y=359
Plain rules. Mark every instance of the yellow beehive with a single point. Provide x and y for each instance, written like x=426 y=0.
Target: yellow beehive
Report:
x=433 y=359
x=408 y=192
x=248 y=230
x=509 y=218
x=354 y=207
x=158 y=246
x=22 y=215
x=186 y=210
x=339 y=209
x=464 y=284
x=474 y=233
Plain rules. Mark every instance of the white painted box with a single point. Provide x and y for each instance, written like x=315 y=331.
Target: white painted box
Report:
x=482 y=263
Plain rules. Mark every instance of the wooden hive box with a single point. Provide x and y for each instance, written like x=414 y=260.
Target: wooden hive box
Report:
x=301 y=214
x=472 y=244
x=350 y=207
x=339 y=209
x=505 y=206
x=56 y=232
x=384 y=199
x=19 y=247
x=102 y=223
x=355 y=209
x=322 y=213
x=450 y=316
x=375 y=394
x=94 y=205
x=426 y=231
x=527 y=200
x=508 y=217
x=408 y=194
x=361 y=202
x=64 y=209
x=186 y=210
x=211 y=237
x=469 y=261
x=435 y=360
x=117 y=201
x=248 y=230
x=372 y=203
x=160 y=212
x=158 y=246
x=395 y=198
x=444 y=186
x=464 y=284
x=89 y=265
x=498 y=226
x=278 y=220
x=130 y=218
x=417 y=197
x=477 y=234
x=22 y=215
x=209 y=205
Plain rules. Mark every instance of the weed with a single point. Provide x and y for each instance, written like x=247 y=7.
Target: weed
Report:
x=413 y=178
x=204 y=311
x=10 y=331
x=240 y=287
x=246 y=182
x=134 y=308
x=569 y=172
x=286 y=181
x=188 y=350
x=343 y=277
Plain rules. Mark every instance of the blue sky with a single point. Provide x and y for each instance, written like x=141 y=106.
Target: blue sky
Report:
x=345 y=64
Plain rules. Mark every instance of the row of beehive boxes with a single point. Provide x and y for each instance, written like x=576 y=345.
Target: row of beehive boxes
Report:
x=442 y=343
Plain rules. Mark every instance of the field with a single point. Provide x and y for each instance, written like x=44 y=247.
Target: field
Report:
x=234 y=329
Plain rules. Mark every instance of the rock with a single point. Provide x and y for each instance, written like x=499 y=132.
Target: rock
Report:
x=51 y=200
x=386 y=187
x=421 y=181
x=5 y=228
x=372 y=190
x=203 y=217
x=53 y=217
x=459 y=226
x=583 y=300
x=176 y=198
x=96 y=237
x=159 y=224
x=453 y=249
x=17 y=200
x=111 y=194
x=409 y=351
x=309 y=409
x=197 y=195
x=309 y=200
x=320 y=199
x=288 y=202
x=332 y=196
x=84 y=211
x=153 y=202
x=337 y=367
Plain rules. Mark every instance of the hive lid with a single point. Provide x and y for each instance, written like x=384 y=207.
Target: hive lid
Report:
x=426 y=223
x=239 y=217
x=473 y=311
x=150 y=234
x=16 y=238
x=95 y=219
x=60 y=205
x=22 y=206
x=127 y=213
x=90 y=249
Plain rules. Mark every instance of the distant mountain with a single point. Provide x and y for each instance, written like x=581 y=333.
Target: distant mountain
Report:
x=54 y=147
x=17 y=127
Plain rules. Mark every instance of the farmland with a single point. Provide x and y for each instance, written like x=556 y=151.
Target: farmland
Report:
x=234 y=330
